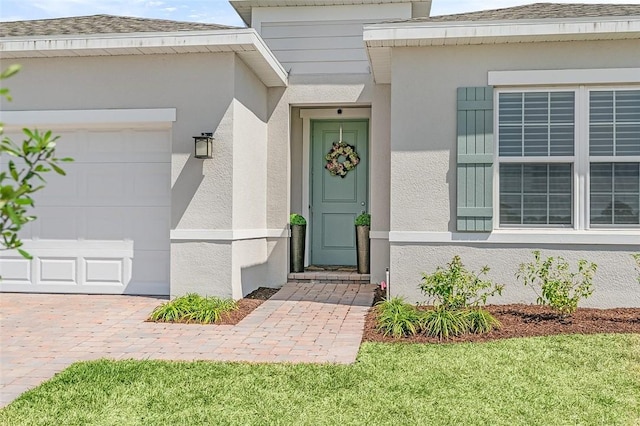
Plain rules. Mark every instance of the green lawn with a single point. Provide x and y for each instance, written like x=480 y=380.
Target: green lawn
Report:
x=539 y=381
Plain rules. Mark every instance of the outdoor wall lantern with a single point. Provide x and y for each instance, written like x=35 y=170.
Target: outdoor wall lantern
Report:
x=204 y=145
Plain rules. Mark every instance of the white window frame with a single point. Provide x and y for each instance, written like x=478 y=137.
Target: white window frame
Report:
x=604 y=159
x=581 y=159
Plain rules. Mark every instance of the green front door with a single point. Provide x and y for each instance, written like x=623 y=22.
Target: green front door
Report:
x=337 y=200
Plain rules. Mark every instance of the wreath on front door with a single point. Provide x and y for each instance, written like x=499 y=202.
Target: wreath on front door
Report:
x=335 y=166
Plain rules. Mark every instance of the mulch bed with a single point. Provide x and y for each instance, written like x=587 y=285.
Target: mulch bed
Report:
x=247 y=305
x=530 y=320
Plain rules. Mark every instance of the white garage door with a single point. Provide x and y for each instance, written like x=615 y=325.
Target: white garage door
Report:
x=103 y=228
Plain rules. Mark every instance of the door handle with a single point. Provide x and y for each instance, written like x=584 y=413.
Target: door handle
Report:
x=362 y=204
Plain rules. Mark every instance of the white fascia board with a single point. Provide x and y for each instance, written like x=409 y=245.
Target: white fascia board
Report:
x=559 y=77
x=245 y=42
x=88 y=116
x=462 y=33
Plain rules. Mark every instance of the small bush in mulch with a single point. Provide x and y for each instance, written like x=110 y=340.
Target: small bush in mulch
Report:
x=193 y=308
x=555 y=285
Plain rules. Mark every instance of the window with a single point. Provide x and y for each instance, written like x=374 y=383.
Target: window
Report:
x=536 y=155
x=614 y=156
x=569 y=158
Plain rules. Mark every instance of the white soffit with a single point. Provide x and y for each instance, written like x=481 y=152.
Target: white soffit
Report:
x=380 y=38
x=246 y=43
x=243 y=7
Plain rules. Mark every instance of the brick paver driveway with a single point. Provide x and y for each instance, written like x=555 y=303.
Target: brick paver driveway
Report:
x=41 y=334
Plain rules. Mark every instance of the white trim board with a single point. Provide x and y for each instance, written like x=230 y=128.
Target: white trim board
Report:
x=319 y=114
x=87 y=116
x=560 y=237
x=557 y=77
x=227 y=235
x=379 y=235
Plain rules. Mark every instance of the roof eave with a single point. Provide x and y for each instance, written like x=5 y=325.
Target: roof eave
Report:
x=381 y=38
x=244 y=7
x=246 y=43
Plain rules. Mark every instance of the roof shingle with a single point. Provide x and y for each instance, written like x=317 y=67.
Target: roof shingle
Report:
x=540 y=11
x=99 y=24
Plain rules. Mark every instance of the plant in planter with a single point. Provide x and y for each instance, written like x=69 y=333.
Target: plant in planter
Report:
x=363 y=226
x=298 y=226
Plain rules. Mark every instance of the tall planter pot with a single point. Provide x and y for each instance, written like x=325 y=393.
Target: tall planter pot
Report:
x=363 y=248
x=298 y=235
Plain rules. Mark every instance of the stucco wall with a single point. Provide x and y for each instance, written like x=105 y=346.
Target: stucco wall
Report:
x=615 y=283
x=249 y=150
x=211 y=93
x=202 y=267
x=423 y=182
x=198 y=86
x=380 y=151
x=423 y=113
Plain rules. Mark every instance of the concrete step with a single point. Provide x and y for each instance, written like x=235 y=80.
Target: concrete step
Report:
x=329 y=277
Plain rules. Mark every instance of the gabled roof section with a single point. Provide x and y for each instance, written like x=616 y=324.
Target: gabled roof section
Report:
x=83 y=36
x=243 y=7
x=99 y=24
x=539 y=22
x=540 y=11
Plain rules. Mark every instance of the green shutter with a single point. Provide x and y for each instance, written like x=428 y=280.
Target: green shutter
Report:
x=475 y=159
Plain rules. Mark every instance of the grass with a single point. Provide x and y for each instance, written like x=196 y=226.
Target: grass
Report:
x=589 y=380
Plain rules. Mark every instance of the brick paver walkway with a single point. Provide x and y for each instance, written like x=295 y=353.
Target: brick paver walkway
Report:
x=41 y=334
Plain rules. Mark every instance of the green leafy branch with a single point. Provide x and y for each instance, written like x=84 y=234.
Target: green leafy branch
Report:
x=23 y=175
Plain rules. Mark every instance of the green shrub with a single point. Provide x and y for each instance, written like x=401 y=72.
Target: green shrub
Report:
x=444 y=323
x=193 y=308
x=636 y=257
x=398 y=319
x=457 y=294
x=363 y=220
x=555 y=285
x=296 y=219
x=458 y=288
x=480 y=321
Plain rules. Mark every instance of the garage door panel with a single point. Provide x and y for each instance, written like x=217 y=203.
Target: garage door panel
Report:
x=150 y=227
x=104 y=271
x=106 y=223
x=57 y=223
x=15 y=270
x=105 y=181
x=105 y=142
x=150 y=142
x=103 y=228
x=57 y=271
x=61 y=190
x=150 y=183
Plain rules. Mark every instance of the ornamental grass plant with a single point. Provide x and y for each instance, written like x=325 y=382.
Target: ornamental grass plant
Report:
x=193 y=308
